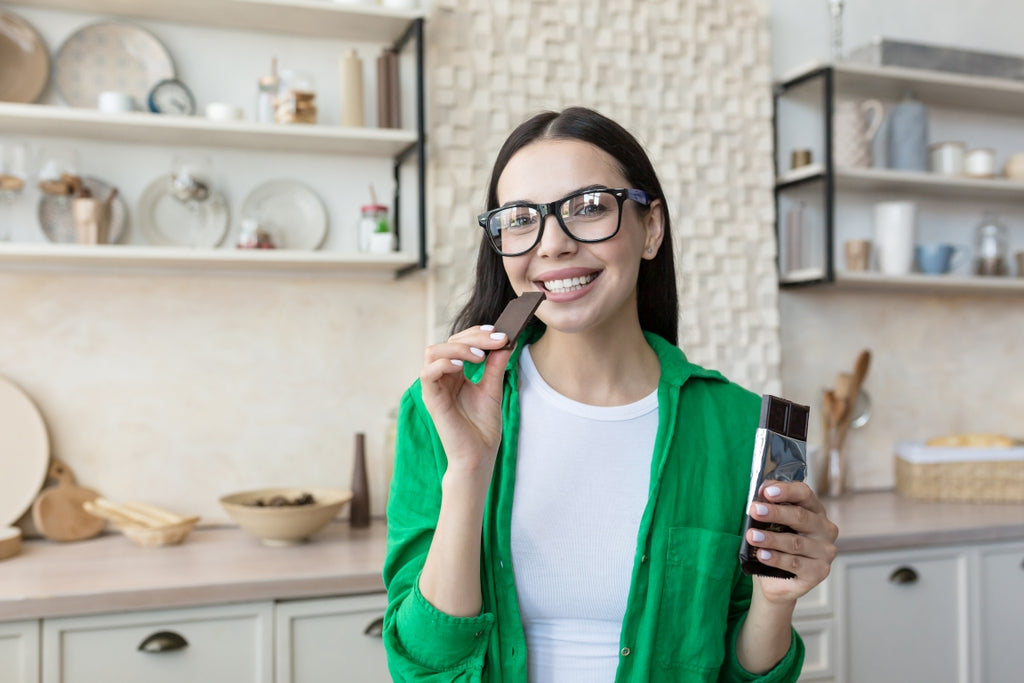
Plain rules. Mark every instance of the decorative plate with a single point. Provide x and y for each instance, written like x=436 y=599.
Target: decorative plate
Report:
x=24 y=60
x=110 y=56
x=167 y=221
x=291 y=212
x=58 y=223
x=24 y=452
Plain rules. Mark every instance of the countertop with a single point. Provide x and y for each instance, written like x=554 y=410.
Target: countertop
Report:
x=217 y=565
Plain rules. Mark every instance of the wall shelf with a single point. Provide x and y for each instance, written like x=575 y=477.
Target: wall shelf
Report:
x=951 y=284
x=885 y=180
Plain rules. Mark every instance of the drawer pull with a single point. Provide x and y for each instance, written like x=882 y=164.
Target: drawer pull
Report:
x=375 y=629
x=163 y=641
x=903 y=575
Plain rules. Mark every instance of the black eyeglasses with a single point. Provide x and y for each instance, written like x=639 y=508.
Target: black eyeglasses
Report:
x=586 y=216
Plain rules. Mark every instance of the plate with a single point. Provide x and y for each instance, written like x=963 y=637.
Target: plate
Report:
x=291 y=212
x=110 y=56
x=24 y=452
x=58 y=223
x=24 y=60
x=168 y=222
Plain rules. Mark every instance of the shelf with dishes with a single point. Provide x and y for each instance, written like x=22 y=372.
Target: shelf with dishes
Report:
x=918 y=182
x=920 y=282
x=315 y=18
x=148 y=128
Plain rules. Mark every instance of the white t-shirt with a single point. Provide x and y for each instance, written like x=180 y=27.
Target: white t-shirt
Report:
x=582 y=482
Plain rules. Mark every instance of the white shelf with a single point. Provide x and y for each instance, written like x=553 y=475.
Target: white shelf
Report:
x=182 y=258
x=932 y=283
x=884 y=180
x=159 y=129
x=320 y=18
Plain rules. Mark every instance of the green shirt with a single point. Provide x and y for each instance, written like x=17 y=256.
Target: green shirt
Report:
x=687 y=596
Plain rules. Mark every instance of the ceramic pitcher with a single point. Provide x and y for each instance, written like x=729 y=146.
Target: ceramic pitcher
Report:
x=908 y=136
x=854 y=125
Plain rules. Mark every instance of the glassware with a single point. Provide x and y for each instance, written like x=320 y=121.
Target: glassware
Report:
x=296 y=98
x=191 y=183
x=991 y=246
x=13 y=174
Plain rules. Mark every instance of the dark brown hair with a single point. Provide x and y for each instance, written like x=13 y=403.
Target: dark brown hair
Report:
x=657 y=299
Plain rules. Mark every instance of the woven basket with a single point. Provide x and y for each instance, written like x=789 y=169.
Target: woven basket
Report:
x=973 y=479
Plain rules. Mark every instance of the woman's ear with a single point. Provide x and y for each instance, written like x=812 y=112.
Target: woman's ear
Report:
x=654 y=226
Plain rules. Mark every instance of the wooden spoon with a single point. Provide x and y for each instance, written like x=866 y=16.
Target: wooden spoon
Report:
x=58 y=513
x=860 y=371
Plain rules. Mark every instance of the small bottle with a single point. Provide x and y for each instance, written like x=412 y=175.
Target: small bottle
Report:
x=248 y=238
x=373 y=228
x=268 y=87
x=359 y=508
x=351 y=89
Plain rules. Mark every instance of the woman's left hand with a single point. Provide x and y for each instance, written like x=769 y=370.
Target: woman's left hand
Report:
x=808 y=552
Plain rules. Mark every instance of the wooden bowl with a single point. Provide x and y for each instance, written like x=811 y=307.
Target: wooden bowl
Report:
x=151 y=537
x=285 y=525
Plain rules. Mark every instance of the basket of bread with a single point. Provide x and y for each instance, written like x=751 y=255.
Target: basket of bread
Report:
x=980 y=468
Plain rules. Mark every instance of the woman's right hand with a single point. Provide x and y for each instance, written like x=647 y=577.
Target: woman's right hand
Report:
x=467 y=415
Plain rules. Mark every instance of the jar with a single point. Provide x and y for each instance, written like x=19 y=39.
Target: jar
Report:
x=265 y=96
x=296 y=98
x=375 y=229
x=991 y=244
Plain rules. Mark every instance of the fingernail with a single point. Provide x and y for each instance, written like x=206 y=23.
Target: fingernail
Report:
x=498 y=336
x=764 y=554
x=761 y=509
x=772 y=491
x=487 y=328
x=456 y=361
x=476 y=352
x=757 y=536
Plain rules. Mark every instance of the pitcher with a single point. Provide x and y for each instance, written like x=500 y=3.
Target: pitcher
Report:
x=854 y=125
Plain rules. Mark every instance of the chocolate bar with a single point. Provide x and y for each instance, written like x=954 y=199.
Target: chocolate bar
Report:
x=517 y=313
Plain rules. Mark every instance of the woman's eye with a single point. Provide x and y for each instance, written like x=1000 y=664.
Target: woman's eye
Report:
x=520 y=221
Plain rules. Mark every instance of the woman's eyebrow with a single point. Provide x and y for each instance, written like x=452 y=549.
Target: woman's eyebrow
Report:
x=515 y=202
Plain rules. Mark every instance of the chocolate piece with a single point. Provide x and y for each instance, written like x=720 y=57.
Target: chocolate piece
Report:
x=517 y=313
x=784 y=417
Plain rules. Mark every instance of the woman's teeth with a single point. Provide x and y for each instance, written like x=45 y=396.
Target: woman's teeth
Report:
x=568 y=284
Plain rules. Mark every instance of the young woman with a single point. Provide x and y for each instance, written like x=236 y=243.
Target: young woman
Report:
x=572 y=509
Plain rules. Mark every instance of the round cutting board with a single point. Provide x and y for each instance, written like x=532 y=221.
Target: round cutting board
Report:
x=24 y=452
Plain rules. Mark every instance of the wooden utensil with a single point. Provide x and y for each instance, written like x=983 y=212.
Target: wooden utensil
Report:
x=58 y=513
x=860 y=371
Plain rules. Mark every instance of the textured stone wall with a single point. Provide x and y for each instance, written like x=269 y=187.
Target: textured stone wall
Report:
x=691 y=78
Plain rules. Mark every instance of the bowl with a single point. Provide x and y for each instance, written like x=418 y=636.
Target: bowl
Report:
x=286 y=524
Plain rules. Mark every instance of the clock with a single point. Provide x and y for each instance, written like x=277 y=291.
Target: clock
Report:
x=171 y=96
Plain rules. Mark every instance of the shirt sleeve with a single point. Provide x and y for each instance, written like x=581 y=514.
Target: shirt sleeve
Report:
x=422 y=643
x=788 y=668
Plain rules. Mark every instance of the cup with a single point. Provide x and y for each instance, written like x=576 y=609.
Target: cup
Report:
x=939 y=258
x=980 y=163
x=115 y=102
x=894 y=236
x=92 y=220
x=858 y=255
x=800 y=158
x=221 y=111
x=946 y=158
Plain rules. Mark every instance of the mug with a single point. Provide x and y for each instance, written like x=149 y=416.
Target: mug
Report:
x=114 y=102
x=91 y=219
x=937 y=259
x=854 y=125
x=980 y=163
x=946 y=158
x=221 y=111
x=858 y=255
x=800 y=158
x=894 y=236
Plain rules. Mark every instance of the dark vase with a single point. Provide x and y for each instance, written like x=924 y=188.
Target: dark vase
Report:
x=359 y=508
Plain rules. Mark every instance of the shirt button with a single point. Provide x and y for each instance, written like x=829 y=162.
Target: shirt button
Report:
x=643 y=559
x=624 y=652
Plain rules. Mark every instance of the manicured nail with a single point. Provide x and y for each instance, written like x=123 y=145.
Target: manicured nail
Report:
x=757 y=536
x=772 y=491
x=456 y=361
x=498 y=336
x=476 y=352
x=764 y=554
x=761 y=509
x=487 y=328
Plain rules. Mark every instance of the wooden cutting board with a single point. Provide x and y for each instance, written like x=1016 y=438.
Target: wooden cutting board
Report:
x=58 y=513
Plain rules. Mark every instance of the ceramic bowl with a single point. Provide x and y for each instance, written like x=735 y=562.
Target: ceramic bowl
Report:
x=284 y=525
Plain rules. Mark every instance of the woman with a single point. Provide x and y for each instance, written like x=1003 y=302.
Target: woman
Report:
x=571 y=509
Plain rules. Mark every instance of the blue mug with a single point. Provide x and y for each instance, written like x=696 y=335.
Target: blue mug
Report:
x=936 y=259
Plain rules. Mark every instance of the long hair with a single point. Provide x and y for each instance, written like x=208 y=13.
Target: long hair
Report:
x=657 y=299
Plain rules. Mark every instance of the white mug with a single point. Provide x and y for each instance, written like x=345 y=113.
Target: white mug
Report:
x=894 y=237
x=221 y=111
x=114 y=102
x=946 y=158
x=980 y=163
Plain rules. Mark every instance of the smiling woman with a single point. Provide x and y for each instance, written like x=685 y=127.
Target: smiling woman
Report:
x=570 y=509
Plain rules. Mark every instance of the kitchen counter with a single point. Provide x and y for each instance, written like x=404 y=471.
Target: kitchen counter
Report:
x=218 y=565
x=109 y=573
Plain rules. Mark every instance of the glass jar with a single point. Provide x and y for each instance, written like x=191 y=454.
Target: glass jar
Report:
x=296 y=98
x=375 y=229
x=991 y=245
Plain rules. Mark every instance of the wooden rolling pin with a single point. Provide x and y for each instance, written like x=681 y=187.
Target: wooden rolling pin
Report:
x=135 y=514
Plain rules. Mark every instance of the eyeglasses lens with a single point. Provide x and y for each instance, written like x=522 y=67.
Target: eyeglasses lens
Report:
x=588 y=216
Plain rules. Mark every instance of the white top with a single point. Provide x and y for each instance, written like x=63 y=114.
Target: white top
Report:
x=582 y=481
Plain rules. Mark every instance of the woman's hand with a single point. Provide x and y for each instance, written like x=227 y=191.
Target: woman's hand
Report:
x=467 y=416
x=808 y=552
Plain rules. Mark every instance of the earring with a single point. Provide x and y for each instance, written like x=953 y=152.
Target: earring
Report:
x=650 y=250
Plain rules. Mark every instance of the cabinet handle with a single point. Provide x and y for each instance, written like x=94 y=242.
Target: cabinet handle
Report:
x=903 y=575
x=375 y=629
x=163 y=641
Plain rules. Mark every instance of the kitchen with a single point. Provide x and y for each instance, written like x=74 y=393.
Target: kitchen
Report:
x=177 y=383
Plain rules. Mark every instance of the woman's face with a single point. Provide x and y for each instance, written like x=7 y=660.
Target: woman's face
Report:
x=588 y=286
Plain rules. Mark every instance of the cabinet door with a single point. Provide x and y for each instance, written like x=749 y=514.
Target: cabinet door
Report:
x=1001 y=613
x=219 y=643
x=335 y=639
x=19 y=651
x=904 y=616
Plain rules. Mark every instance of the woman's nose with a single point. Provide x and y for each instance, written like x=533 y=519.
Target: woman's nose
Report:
x=554 y=241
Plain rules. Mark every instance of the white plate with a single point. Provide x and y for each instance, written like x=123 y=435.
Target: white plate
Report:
x=58 y=223
x=291 y=212
x=168 y=222
x=110 y=56
x=24 y=452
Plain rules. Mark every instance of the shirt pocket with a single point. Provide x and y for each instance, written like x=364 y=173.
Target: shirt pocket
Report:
x=699 y=572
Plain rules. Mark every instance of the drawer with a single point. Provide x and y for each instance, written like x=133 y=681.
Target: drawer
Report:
x=19 y=651
x=819 y=644
x=217 y=643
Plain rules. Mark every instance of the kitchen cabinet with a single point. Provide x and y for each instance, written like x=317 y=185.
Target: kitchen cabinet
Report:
x=820 y=205
x=812 y=620
x=19 y=651
x=1000 y=620
x=252 y=20
x=331 y=640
